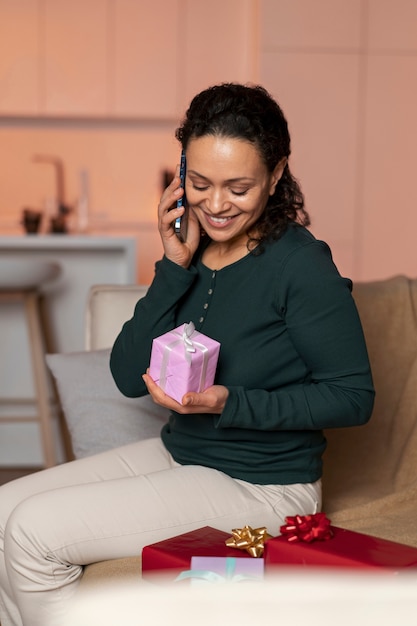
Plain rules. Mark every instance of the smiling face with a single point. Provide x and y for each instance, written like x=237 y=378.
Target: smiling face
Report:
x=228 y=186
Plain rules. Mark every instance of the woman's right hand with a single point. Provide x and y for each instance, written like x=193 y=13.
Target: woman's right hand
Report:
x=175 y=250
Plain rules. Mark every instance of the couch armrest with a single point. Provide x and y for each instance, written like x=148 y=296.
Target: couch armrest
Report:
x=108 y=307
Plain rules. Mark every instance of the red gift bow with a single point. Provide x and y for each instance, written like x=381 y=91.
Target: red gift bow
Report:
x=307 y=528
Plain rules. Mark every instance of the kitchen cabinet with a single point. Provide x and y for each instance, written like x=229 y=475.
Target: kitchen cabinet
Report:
x=120 y=58
x=145 y=58
x=167 y=52
x=219 y=44
x=19 y=57
x=75 y=48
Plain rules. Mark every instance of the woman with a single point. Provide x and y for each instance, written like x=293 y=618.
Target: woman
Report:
x=293 y=361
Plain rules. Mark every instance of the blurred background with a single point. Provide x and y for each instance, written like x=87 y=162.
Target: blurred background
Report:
x=91 y=92
x=102 y=84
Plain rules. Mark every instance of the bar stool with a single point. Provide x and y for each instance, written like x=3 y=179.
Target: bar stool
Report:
x=22 y=281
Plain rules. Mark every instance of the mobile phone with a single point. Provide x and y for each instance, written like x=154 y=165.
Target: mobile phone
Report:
x=181 y=223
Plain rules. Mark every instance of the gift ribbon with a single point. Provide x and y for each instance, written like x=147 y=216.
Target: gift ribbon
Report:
x=214 y=577
x=249 y=539
x=187 y=331
x=189 y=347
x=307 y=528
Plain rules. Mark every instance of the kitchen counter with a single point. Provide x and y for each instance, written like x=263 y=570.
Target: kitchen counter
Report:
x=69 y=242
x=85 y=261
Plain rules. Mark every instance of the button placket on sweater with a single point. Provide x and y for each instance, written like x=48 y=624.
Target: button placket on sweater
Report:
x=206 y=304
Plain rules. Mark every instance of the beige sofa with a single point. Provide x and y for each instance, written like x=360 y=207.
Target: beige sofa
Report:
x=370 y=476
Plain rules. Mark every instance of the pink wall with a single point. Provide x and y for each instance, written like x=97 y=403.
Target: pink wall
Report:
x=344 y=72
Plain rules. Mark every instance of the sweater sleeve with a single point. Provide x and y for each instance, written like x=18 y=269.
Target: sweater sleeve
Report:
x=154 y=315
x=324 y=328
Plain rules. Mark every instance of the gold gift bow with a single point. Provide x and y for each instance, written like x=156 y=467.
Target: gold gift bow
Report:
x=249 y=539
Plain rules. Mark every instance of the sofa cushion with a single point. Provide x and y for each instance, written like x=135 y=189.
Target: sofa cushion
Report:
x=380 y=459
x=98 y=416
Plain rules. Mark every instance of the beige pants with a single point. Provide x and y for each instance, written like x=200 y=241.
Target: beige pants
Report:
x=108 y=506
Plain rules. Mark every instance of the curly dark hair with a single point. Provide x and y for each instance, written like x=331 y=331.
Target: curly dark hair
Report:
x=250 y=113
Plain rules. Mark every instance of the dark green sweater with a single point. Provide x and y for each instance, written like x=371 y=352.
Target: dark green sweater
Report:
x=292 y=356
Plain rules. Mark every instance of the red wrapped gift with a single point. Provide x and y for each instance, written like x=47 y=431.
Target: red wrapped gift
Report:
x=334 y=546
x=172 y=556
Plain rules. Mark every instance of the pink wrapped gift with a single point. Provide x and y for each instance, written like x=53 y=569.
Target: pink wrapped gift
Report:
x=183 y=360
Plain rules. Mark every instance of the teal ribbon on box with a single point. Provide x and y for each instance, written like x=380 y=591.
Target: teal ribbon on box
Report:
x=213 y=577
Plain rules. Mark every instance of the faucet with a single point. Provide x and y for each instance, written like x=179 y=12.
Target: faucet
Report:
x=58 y=223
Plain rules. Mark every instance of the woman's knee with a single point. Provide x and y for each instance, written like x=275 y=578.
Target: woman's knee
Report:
x=30 y=528
x=8 y=501
x=21 y=526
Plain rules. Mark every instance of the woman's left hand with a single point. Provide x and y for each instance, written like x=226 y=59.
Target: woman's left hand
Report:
x=212 y=400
